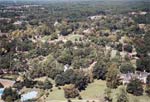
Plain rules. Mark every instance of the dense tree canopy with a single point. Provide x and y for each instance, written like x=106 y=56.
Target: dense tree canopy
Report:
x=70 y=91
x=143 y=64
x=122 y=96
x=135 y=87
x=112 y=77
x=148 y=85
x=10 y=95
x=127 y=68
x=70 y=77
x=100 y=70
x=63 y=41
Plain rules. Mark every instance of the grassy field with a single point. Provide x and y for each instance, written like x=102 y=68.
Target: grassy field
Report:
x=131 y=97
x=94 y=91
x=9 y=76
x=74 y=37
x=143 y=98
x=46 y=38
x=56 y=94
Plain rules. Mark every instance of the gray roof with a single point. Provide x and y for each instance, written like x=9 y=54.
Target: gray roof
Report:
x=129 y=76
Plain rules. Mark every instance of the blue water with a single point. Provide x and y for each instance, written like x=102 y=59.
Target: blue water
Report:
x=29 y=95
x=1 y=91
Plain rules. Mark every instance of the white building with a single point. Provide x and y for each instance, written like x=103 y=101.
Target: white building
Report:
x=126 y=78
x=56 y=23
x=18 y=23
x=66 y=67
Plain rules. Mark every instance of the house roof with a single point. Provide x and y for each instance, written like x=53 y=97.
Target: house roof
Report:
x=7 y=83
x=138 y=74
x=3 y=34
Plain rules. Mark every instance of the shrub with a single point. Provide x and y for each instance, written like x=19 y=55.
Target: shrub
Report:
x=128 y=48
x=148 y=85
x=10 y=95
x=80 y=98
x=54 y=36
x=122 y=96
x=135 y=87
x=100 y=70
x=126 y=67
x=70 y=91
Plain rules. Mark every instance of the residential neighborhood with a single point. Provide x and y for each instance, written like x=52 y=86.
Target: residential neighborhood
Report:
x=74 y=51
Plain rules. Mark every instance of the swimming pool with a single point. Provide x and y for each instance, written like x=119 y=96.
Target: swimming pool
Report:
x=1 y=91
x=29 y=95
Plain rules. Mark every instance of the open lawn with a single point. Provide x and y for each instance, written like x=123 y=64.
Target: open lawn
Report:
x=56 y=94
x=45 y=38
x=74 y=37
x=143 y=98
x=94 y=90
x=131 y=97
x=9 y=76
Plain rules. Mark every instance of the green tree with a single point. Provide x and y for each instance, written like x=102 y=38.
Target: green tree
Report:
x=112 y=78
x=66 y=57
x=71 y=77
x=68 y=43
x=10 y=95
x=59 y=80
x=44 y=85
x=100 y=70
x=47 y=84
x=45 y=29
x=143 y=64
x=122 y=96
x=108 y=96
x=126 y=67
x=9 y=99
x=147 y=42
x=81 y=81
x=29 y=83
x=148 y=85
x=135 y=87
x=54 y=36
x=128 y=48
x=70 y=91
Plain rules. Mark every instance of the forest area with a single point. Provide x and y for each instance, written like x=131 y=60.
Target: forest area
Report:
x=75 y=51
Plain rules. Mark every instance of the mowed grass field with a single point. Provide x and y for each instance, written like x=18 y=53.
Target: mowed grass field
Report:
x=94 y=91
x=74 y=37
x=56 y=94
x=132 y=98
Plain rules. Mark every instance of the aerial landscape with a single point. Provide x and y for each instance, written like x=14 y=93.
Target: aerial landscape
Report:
x=74 y=50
